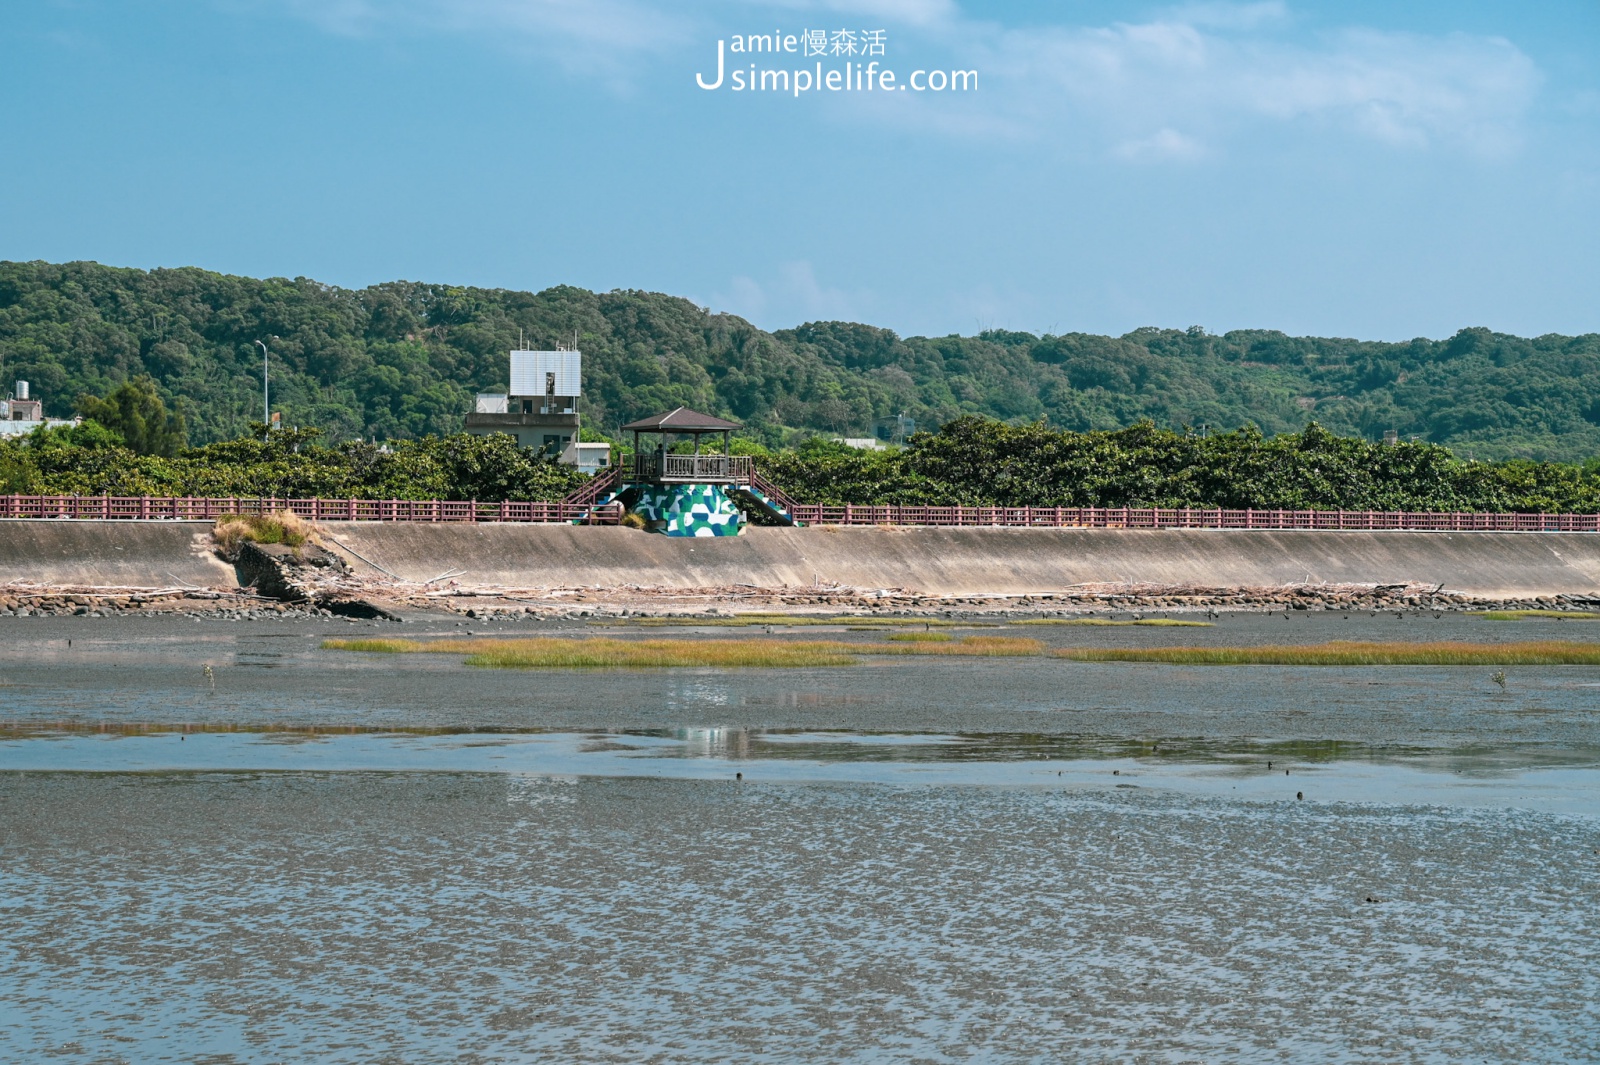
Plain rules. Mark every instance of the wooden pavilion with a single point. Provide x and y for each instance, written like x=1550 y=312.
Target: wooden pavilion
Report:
x=657 y=466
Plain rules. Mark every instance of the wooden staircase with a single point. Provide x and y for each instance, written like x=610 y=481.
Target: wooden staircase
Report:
x=596 y=488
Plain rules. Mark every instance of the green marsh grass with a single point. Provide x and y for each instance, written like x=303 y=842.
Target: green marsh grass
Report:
x=378 y=646
x=735 y=622
x=937 y=623
x=605 y=653
x=1523 y=615
x=981 y=646
x=745 y=620
x=1164 y=623
x=855 y=627
x=657 y=654
x=920 y=637
x=1345 y=653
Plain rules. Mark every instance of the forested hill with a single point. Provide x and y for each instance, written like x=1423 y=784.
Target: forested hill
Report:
x=403 y=359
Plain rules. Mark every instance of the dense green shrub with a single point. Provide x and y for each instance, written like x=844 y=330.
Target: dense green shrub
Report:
x=971 y=461
x=288 y=463
x=977 y=462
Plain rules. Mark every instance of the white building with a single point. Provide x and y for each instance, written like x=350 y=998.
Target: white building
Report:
x=20 y=415
x=541 y=409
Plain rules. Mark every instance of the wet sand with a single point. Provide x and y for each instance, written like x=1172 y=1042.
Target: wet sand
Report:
x=121 y=671
x=439 y=917
x=372 y=858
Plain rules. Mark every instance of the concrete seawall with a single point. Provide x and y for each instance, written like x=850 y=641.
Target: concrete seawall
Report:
x=135 y=554
x=945 y=561
x=962 y=561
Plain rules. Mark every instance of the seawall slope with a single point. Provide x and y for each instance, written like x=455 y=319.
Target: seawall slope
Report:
x=936 y=561
x=136 y=554
x=965 y=561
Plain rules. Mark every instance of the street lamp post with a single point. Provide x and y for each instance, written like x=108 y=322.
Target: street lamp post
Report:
x=266 y=405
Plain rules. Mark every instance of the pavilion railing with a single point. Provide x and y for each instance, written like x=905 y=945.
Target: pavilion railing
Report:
x=692 y=469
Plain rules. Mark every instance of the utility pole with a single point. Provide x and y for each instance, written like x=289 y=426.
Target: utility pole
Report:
x=266 y=405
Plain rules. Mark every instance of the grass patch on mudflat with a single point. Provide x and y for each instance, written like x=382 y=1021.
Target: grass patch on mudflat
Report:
x=981 y=646
x=736 y=622
x=392 y=647
x=1345 y=653
x=872 y=622
x=1160 y=623
x=920 y=637
x=1523 y=615
x=747 y=620
x=658 y=654
x=605 y=653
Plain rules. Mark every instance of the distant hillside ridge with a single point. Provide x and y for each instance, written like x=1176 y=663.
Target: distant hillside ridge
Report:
x=403 y=359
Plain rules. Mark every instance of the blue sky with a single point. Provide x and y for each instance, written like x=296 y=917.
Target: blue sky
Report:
x=1374 y=170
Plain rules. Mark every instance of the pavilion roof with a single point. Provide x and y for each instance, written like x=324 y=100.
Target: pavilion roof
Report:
x=681 y=420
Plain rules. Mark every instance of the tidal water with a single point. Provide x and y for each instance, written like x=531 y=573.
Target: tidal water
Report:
x=428 y=863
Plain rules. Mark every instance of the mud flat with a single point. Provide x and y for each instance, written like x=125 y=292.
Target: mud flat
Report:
x=270 y=672
x=229 y=841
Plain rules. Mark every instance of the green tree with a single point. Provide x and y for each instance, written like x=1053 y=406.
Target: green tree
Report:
x=134 y=410
x=401 y=360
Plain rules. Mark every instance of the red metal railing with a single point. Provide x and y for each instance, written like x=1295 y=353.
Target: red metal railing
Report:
x=595 y=487
x=436 y=510
x=772 y=491
x=1129 y=518
x=200 y=509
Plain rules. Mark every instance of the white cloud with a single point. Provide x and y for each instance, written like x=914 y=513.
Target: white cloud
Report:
x=892 y=12
x=1404 y=88
x=744 y=297
x=986 y=306
x=595 y=35
x=621 y=24
x=351 y=18
x=1164 y=144
x=1212 y=74
x=1185 y=84
x=1232 y=16
x=791 y=297
x=634 y=26
x=1178 y=86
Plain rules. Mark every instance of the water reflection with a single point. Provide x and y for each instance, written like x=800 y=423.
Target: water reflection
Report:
x=732 y=743
x=1538 y=776
x=693 y=692
x=854 y=746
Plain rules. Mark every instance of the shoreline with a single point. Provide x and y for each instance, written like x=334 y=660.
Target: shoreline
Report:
x=371 y=599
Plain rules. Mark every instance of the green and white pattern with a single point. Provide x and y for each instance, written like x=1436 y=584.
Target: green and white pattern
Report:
x=689 y=510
